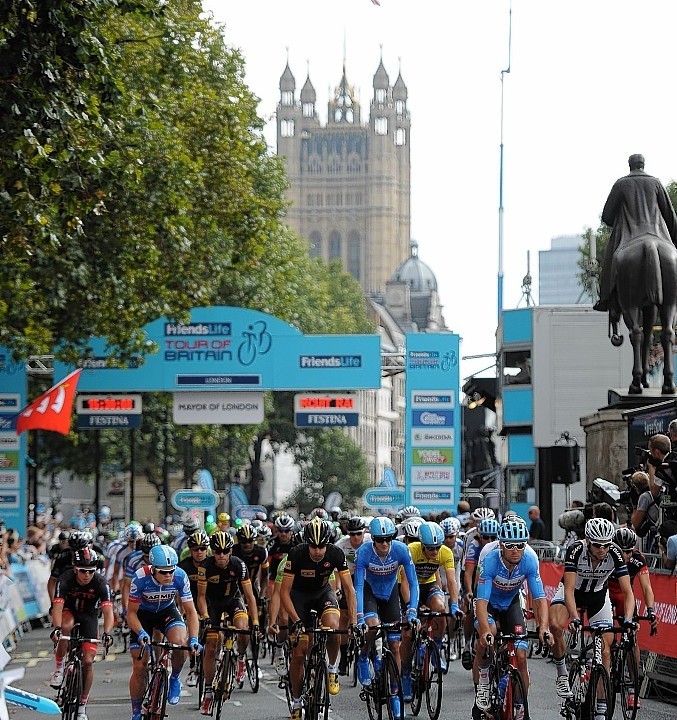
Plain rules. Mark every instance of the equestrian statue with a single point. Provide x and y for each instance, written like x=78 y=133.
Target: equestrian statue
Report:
x=639 y=272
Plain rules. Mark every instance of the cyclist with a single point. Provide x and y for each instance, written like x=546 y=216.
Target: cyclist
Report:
x=484 y=532
x=429 y=555
x=223 y=521
x=410 y=530
x=152 y=605
x=306 y=587
x=223 y=580
x=189 y=526
x=452 y=527
x=376 y=573
x=79 y=594
x=626 y=539
x=502 y=573
x=133 y=533
x=63 y=560
x=588 y=565
x=133 y=562
x=350 y=544
x=198 y=545
x=254 y=557
x=279 y=548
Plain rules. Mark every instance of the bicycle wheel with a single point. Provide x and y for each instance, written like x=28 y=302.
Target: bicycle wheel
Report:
x=72 y=690
x=432 y=680
x=416 y=680
x=515 y=702
x=447 y=644
x=391 y=686
x=157 y=696
x=199 y=669
x=627 y=681
x=578 y=681
x=224 y=680
x=319 y=691
x=252 y=664
x=599 y=691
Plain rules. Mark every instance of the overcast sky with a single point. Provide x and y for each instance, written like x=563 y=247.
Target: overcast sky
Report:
x=591 y=82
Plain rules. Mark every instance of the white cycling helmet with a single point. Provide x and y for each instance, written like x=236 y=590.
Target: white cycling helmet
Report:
x=482 y=513
x=451 y=526
x=600 y=530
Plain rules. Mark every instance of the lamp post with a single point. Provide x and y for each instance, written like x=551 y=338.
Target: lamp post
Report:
x=500 y=177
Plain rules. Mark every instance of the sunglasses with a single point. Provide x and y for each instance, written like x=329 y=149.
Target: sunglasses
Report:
x=430 y=548
x=283 y=532
x=221 y=552
x=514 y=545
x=601 y=546
x=356 y=534
x=199 y=549
x=489 y=537
x=86 y=571
x=317 y=547
x=246 y=542
x=166 y=572
x=383 y=539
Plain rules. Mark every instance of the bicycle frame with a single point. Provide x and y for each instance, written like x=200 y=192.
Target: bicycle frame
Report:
x=154 y=702
x=379 y=693
x=70 y=692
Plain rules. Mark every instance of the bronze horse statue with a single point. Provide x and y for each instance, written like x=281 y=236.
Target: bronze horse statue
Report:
x=644 y=273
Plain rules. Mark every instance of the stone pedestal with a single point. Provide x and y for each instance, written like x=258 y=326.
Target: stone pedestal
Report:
x=606 y=445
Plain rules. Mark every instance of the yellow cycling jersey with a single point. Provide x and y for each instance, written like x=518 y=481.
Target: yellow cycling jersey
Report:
x=426 y=569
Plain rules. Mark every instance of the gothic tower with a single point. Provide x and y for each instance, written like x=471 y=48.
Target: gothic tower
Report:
x=349 y=181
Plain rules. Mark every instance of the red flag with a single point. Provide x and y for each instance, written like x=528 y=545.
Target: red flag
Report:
x=53 y=409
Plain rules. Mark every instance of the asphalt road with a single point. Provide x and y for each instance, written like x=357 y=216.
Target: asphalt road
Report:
x=110 y=697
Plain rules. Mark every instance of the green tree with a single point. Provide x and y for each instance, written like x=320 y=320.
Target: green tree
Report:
x=329 y=461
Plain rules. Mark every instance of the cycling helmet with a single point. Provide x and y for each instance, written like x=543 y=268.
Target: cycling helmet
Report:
x=175 y=529
x=335 y=533
x=133 y=532
x=199 y=539
x=355 y=524
x=317 y=532
x=450 y=526
x=148 y=527
x=482 y=513
x=85 y=558
x=78 y=540
x=382 y=528
x=488 y=527
x=190 y=525
x=319 y=512
x=64 y=535
x=284 y=522
x=221 y=540
x=335 y=512
x=398 y=517
x=410 y=511
x=211 y=527
x=430 y=533
x=257 y=524
x=247 y=533
x=411 y=526
x=600 y=530
x=261 y=516
x=625 y=538
x=223 y=518
x=149 y=540
x=163 y=556
x=265 y=532
x=512 y=530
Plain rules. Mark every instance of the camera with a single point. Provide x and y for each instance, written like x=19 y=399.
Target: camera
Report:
x=642 y=452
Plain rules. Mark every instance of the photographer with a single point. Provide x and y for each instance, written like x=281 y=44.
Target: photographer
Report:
x=660 y=474
x=667 y=542
x=646 y=516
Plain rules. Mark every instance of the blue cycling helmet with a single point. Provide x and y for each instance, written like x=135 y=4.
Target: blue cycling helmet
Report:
x=431 y=534
x=382 y=528
x=163 y=556
x=488 y=527
x=513 y=530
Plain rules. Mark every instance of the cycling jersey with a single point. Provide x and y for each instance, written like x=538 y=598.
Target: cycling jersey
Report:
x=79 y=598
x=426 y=570
x=589 y=579
x=152 y=596
x=189 y=567
x=257 y=558
x=112 y=549
x=276 y=552
x=62 y=562
x=381 y=575
x=636 y=566
x=222 y=584
x=132 y=563
x=350 y=552
x=498 y=585
x=310 y=576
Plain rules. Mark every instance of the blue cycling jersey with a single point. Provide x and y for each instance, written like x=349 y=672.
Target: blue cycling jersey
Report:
x=498 y=585
x=152 y=596
x=382 y=574
x=132 y=563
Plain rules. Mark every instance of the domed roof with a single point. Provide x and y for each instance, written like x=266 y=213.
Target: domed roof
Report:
x=414 y=271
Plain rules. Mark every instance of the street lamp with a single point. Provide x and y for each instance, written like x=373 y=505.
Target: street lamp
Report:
x=500 y=177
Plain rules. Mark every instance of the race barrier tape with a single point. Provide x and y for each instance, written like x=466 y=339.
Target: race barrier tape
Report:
x=665 y=604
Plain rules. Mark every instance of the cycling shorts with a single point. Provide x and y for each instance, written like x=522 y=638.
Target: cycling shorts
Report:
x=596 y=605
x=387 y=611
x=164 y=620
x=322 y=601
x=89 y=626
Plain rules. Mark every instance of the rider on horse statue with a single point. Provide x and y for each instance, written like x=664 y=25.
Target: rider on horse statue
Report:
x=637 y=205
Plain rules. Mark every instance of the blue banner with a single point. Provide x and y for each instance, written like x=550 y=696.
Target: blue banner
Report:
x=227 y=348
x=13 y=447
x=433 y=421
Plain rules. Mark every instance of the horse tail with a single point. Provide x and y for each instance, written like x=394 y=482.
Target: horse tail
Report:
x=653 y=276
